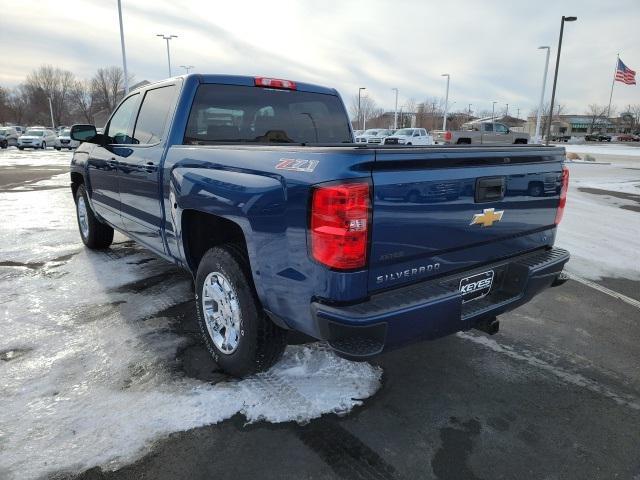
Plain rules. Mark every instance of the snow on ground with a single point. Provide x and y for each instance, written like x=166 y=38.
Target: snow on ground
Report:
x=88 y=368
x=14 y=157
x=600 y=229
x=603 y=149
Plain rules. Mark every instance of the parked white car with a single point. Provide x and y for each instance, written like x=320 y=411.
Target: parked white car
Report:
x=409 y=136
x=64 y=140
x=8 y=136
x=37 y=138
x=373 y=135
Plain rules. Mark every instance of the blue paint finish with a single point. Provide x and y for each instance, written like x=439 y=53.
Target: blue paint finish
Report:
x=423 y=200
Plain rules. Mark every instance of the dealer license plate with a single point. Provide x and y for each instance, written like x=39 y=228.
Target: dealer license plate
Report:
x=476 y=286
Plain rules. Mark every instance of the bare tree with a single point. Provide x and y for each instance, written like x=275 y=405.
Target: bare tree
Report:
x=596 y=113
x=108 y=87
x=368 y=110
x=558 y=110
x=49 y=83
x=83 y=100
x=5 y=109
x=429 y=113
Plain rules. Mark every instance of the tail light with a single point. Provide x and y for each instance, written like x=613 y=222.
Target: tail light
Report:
x=340 y=218
x=563 y=194
x=275 y=83
x=447 y=136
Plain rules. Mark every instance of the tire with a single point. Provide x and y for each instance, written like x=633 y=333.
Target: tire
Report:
x=536 y=189
x=4 y=144
x=413 y=196
x=95 y=234
x=20 y=148
x=259 y=343
x=57 y=148
x=43 y=146
x=408 y=143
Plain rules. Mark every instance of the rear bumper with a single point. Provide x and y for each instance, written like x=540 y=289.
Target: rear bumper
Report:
x=434 y=308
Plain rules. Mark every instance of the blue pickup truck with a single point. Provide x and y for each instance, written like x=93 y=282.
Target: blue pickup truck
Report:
x=255 y=186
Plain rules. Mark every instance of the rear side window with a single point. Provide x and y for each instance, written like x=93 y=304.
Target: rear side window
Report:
x=120 y=127
x=231 y=113
x=154 y=114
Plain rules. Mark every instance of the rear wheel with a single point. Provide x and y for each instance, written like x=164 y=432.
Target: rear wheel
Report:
x=95 y=234
x=237 y=332
x=536 y=189
x=4 y=144
x=43 y=146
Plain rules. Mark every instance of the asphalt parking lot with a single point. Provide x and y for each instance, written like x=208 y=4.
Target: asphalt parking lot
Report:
x=554 y=395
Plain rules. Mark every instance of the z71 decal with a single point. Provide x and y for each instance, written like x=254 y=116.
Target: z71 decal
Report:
x=297 y=165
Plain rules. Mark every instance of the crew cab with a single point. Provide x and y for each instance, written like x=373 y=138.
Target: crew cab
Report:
x=256 y=187
x=409 y=136
x=483 y=132
x=373 y=136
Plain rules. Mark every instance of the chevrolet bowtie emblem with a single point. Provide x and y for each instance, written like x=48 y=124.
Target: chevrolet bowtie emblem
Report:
x=487 y=217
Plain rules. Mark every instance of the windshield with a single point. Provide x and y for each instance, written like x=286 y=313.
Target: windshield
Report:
x=405 y=131
x=4 y=131
x=232 y=113
x=66 y=132
x=35 y=133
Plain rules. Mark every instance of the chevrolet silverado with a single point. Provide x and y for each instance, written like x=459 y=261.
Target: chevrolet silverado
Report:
x=256 y=187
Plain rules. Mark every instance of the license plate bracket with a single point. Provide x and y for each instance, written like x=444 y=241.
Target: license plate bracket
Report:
x=476 y=286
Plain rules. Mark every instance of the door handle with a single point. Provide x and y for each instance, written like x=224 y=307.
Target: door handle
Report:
x=150 y=167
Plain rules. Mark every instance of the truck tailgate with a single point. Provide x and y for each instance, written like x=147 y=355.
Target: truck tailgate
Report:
x=437 y=210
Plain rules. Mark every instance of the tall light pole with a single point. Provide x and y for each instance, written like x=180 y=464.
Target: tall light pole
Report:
x=395 y=111
x=446 y=102
x=555 y=77
x=493 y=115
x=167 y=38
x=359 y=110
x=506 y=112
x=53 y=124
x=187 y=68
x=124 y=56
x=544 y=84
x=469 y=114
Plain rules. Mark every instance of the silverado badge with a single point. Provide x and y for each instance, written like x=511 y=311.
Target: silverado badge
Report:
x=487 y=217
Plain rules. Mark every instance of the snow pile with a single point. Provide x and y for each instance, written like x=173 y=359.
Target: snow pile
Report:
x=608 y=149
x=88 y=371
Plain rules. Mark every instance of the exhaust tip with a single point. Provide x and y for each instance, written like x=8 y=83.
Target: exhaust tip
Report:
x=490 y=326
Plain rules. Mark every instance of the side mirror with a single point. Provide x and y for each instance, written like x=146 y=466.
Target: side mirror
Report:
x=83 y=133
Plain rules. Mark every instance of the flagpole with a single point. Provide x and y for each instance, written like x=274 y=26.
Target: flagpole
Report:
x=612 y=84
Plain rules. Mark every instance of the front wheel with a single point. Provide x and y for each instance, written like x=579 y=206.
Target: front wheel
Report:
x=4 y=144
x=58 y=148
x=43 y=146
x=95 y=234
x=237 y=332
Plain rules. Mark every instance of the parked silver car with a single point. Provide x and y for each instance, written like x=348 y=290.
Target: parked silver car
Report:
x=37 y=138
x=64 y=140
x=8 y=137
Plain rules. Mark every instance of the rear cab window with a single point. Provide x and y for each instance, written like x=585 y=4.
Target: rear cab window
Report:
x=244 y=114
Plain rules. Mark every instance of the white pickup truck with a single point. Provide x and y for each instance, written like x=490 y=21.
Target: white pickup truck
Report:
x=480 y=133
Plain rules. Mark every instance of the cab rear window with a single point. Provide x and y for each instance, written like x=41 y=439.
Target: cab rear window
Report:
x=239 y=114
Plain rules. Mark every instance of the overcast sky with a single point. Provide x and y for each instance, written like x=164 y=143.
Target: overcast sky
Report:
x=488 y=47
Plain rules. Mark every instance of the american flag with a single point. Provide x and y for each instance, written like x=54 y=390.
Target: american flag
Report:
x=624 y=74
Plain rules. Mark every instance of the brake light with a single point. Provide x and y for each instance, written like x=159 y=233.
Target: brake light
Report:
x=447 y=136
x=275 y=83
x=563 y=194
x=340 y=217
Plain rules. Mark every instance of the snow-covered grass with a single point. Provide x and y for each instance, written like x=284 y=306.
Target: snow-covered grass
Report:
x=88 y=372
x=604 y=149
x=603 y=238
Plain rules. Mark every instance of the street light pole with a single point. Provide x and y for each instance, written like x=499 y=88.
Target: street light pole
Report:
x=493 y=115
x=124 y=56
x=506 y=113
x=167 y=38
x=187 y=68
x=544 y=84
x=555 y=77
x=359 y=110
x=395 y=111
x=470 y=110
x=53 y=124
x=446 y=102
